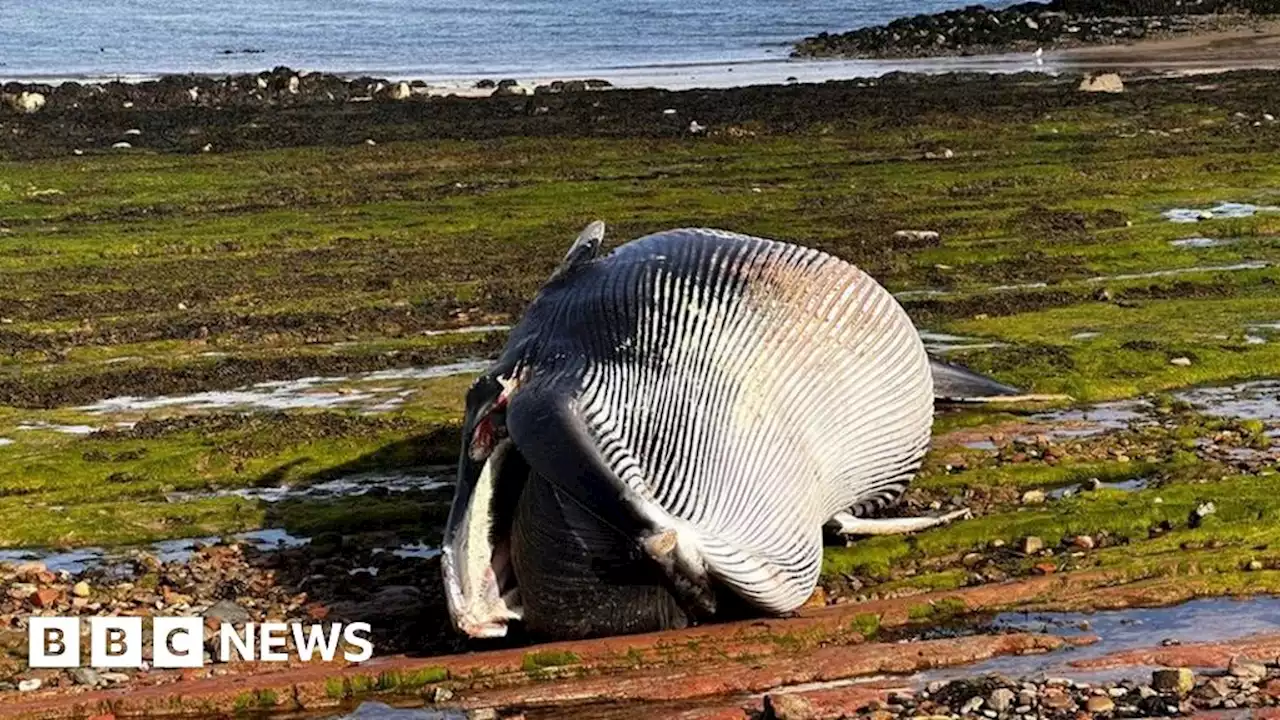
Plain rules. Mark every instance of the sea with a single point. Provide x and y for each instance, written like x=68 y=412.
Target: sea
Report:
x=633 y=40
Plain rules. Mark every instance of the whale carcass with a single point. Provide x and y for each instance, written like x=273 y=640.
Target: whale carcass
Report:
x=669 y=428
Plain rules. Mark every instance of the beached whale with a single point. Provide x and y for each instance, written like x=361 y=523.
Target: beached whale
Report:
x=671 y=425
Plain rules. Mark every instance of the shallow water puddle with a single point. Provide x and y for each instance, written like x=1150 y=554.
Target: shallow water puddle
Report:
x=1065 y=491
x=1217 y=212
x=1200 y=242
x=82 y=559
x=942 y=343
x=382 y=711
x=1251 y=265
x=1093 y=420
x=63 y=429
x=301 y=393
x=347 y=486
x=1255 y=400
x=1197 y=621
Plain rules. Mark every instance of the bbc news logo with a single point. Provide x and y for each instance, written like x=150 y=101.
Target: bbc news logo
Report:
x=178 y=642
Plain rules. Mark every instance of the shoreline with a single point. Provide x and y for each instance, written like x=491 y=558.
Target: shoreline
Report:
x=1218 y=51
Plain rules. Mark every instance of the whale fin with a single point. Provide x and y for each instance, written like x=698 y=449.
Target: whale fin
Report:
x=584 y=249
x=952 y=383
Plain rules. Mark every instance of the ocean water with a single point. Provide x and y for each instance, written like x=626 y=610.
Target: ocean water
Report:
x=97 y=39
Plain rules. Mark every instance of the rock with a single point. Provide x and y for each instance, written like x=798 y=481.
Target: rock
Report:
x=1214 y=691
x=400 y=91
x=788 y=707
x=115 y=677
x=1001 y=699
x=1272 y=688
x=1181 y=362
x=1254 y=565
x=45 y=598
x=1084 y=542
x=1032 y=545
x=228 y=612
x=972 y=705
x=696 y=128
x=81 y=589
x=29 y=685
x=972 y=559
x=1056 y=699
x=508 y=87
x=930 y=237
x=1173 y=680
x=439 y=695
x=1033 y=497
x=1106 y=82
x=121 y=146
x=1202 y=511
x=294 y=85
x=1246 y=669
x=27 y=102
x=85 y=676
x=1099 y=704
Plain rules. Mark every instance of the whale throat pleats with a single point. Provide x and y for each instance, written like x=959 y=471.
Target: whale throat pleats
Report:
x=748 y=390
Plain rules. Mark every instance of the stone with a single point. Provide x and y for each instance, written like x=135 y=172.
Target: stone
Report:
x=1202 y=511
x=81 y=589
x=29 y=685
x=1181 y=362
x=1056 y=699
x=1032 y=544
x=400 y=91
x=1173 y=680
x=1214 y=690
x=1033 y=497
x=85 y=676
x=918 y=236
x=1254 y=565
x=1084 y=542
x=121 y=146
x=1099 y=704
x=45 y=598
x=1001 y=699
x=228 y=612
x=115 y=677
x=1246 y=669
x=27 y=102
x=788 y=707
x=1106 y=82
x=972 y=705
x=1272 y=688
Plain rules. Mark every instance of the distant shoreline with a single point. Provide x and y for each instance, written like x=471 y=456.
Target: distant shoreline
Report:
x=1057 y=26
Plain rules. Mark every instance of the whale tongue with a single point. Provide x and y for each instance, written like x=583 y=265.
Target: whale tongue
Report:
x=480 y=561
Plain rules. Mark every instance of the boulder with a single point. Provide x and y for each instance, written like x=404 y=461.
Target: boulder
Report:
x=1106 y=82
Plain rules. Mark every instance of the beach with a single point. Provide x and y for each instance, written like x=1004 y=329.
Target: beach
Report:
x=240 y=312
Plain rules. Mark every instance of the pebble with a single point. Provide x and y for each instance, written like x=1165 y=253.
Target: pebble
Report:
x=1000 y=699
x=86 y=676
x=1100 y=704
x=788 y=706
x=30 y=685
x=1181 y=362
x=1246 y=669
x=1033 y=497
x=1032 y=545
x=81 y=589
x=1178 y=680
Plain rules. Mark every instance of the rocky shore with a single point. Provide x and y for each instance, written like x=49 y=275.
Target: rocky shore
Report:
x=1034 y=26
x=1170 y=692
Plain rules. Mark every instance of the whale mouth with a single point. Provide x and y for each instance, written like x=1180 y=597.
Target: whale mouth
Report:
x=480 y=581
